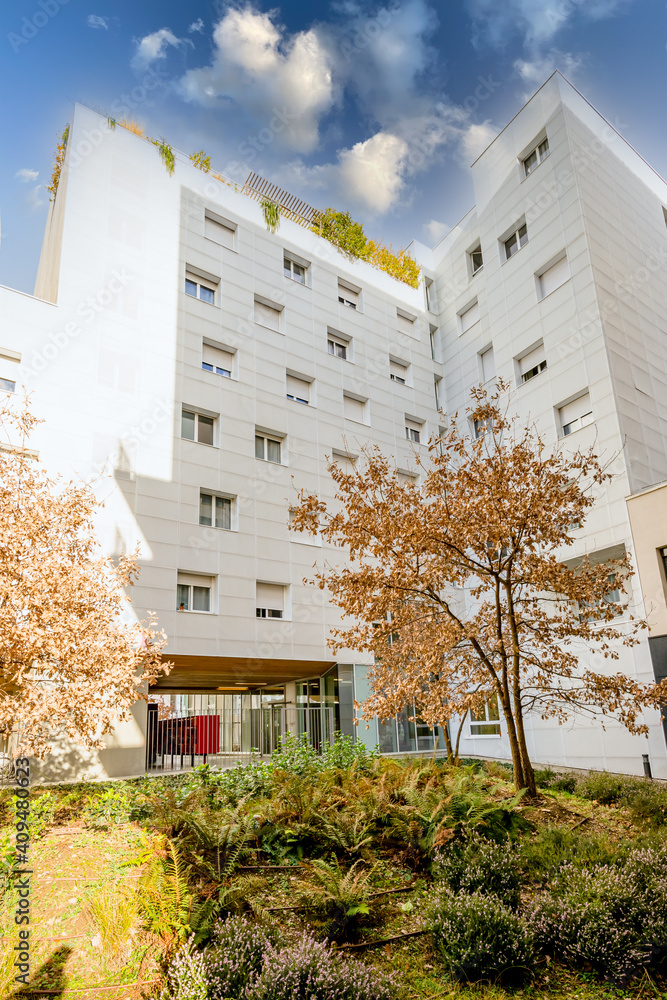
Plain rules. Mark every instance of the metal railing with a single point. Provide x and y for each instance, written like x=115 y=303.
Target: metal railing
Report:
x=179 y=738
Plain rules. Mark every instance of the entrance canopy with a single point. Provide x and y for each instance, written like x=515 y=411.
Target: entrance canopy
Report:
x=210 y=672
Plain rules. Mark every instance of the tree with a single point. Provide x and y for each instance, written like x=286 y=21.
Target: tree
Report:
x=68 y=661
x=461 y=587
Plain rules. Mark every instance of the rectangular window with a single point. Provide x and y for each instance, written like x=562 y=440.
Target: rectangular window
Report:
x=268 y=448
x=536 y=156
x=7 y=385
x=267 y=315
x=476 y=262
x=270 y=600
x=298 y=389
x=429 y=288
x=217 y=361
x=437 y=384
x=216 y=512
x=578 y=413
x=405 y=324
x=480 y=427
x=532 y=364
x=469 y=316
x=355 y=408
x=348 y=296
x=488 y=364
x=398 y=371
x=486 y=721
x=222 y=233
x=432 y=333
x=197 y=427
x=517 y=240
x=553 y=277
x=199 y=288
x=292 y=269
x=413 y=430
x=194 y=593
x=338 y=347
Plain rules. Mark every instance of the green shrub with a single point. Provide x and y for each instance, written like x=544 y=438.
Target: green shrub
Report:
x=476 y=936
x=475 y=864
x=612 y=918
x=546 y=778
x=648 y=803
x=607 y=789
x=112 y=807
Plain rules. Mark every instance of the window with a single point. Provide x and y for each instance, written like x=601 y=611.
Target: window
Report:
x=219 y=231
x=194 y=593
x=200 y=288
x=406 y=476
x=7 y=385
x=294 y=270
x=268 y=448
x=553 y=277
x=475 y=260
x=398 y=371
x=344 y=460
x=197 y=427
x=532 y=364
x=437 y=384
x=480 y=427
x=518 y=239
x=267 y=314
x=663 y=553
x=486 y=721
x=298 y=389
x=348 y=295
x=487 y=364
x=577 y=414
x=270 y=600
x=216 y=512
x=355 y=408
x=536 y=156
x=405 y=323
x=10 y=361
x=216 y=360
x=432 y=333
x=413 y=430
x=429 y=288
x=339 y=347
x=469 y=316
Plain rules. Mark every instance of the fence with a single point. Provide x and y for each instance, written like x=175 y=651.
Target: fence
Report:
x=180 y=736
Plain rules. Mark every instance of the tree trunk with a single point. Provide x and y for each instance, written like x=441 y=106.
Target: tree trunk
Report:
x=528 y=773
x=517 y=761
x=448 y=743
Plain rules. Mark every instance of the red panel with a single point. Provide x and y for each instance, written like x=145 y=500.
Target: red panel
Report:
x=207 y=739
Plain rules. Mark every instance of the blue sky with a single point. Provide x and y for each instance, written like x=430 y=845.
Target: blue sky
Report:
x=375 y=108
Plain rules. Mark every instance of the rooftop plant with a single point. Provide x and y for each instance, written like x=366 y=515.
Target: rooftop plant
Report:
x=58 y=162
x=201 y=160
x=341 y=230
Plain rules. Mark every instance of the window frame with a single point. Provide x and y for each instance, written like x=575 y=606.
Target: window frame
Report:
x=199 y=281
x=340 y=341
x=405 y=365
x=214 y=498
x=191 y=587
x=221 y=373
x=198 y=416
x=268 y=437
x=472 y=270
x=410 y=432
x=515 y=234
x=490 y=719
x=288 y=272
x=300 y=378
x=562 y=432
x=540 y=156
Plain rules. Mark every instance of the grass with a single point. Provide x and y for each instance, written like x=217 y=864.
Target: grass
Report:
x=342 y=850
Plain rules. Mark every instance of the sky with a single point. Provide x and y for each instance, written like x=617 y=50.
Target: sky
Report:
x=376 y=109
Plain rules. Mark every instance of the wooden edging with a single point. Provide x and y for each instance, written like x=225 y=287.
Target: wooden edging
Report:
x=379 y=941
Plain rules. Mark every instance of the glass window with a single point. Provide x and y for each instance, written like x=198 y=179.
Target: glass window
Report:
x=6 y=385
x=337 y=348
x=191 y=288
x=486 y=722
x=476 y=262
x=206 y=509
x=201 y=599
x=205 y=430
x=183 y=597
x=188 y=425
x=273 y=450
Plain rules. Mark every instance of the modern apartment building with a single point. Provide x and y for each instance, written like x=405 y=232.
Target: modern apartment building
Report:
x=201 y=369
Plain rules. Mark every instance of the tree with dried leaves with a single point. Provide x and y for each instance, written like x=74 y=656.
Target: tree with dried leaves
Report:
x=68 y=661
x=461 y=587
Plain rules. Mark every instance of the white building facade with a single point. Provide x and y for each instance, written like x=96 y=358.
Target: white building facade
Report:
x=200 y=369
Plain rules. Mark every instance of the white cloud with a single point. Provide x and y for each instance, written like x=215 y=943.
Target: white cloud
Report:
x=35 y=197
x=25 y=175
x=95 y=21
x=474 y=140
x=265 y=70
x=372 y=172
x=535 y=71
x=154 y=46
x=436 y=230
x=197 y=25
x=537 y=21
